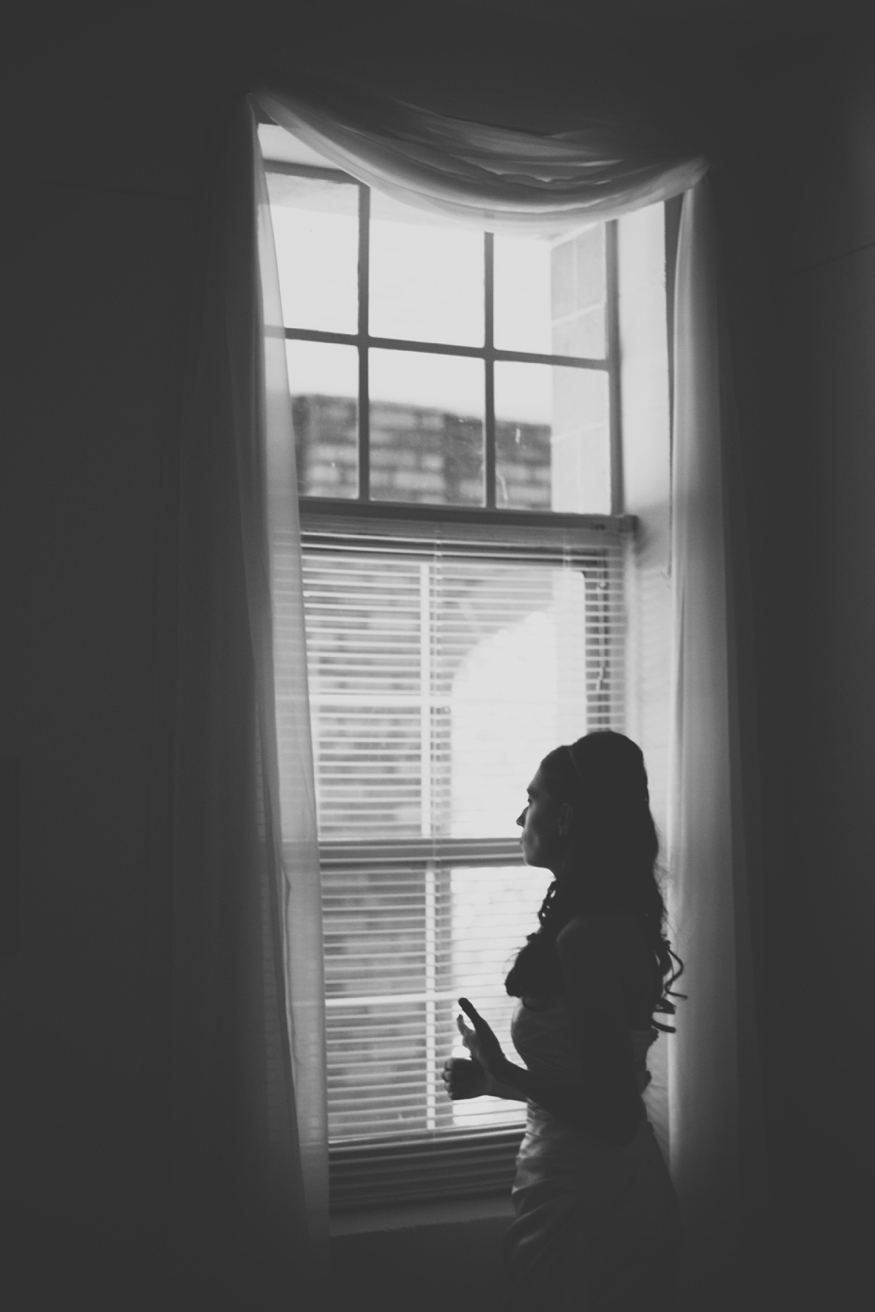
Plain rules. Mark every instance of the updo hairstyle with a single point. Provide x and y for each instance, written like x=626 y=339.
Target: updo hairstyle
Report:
x=610 y=863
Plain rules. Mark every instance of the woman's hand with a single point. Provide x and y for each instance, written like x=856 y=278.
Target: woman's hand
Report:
x=481 y=1041
x=464 y=1079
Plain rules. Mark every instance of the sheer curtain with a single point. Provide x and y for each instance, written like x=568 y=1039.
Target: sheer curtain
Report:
x=489 y=176
x=716 y=1124
x=250 y=1154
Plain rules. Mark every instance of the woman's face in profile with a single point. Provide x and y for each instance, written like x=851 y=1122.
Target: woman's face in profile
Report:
x=544 y=822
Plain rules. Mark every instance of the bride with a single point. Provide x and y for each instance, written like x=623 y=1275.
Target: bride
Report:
x=596 y=1223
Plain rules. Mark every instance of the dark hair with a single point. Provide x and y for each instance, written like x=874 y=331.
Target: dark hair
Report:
x=611 y=862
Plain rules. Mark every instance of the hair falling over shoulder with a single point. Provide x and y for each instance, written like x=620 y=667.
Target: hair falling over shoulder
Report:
x=610 y=865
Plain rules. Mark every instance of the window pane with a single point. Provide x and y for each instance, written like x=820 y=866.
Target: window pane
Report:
x=550 y=294
x=426 y=281
x=501 y=659
x=278 y=145
x=368 y=701
x=492 y=912
x=315 y=227
x=523 y=314
x=426 y=428
x=323 y=381
x=376 y=966
x=436 y=685
x=439 y=677
x=552 y=439
x=578 y=288
x=402 y=943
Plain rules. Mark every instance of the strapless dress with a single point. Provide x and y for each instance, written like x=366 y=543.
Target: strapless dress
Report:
x=545 y=1039
x=596 y=1224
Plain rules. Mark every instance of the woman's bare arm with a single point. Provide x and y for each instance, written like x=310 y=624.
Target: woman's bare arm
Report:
x=612 y=1119
x=496 y=1089
x=465 y=1079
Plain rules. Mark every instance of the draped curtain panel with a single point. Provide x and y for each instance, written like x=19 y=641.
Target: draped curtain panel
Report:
x=716 y=1128
x=249 y=1151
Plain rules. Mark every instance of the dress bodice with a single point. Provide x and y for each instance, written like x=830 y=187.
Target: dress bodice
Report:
x=545 y=1038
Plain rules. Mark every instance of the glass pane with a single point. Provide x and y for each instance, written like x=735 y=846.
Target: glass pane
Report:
x=510 y=660
x=507 y=901
x=368 y=675
x=315 y=228
x=279 y=145
x=578 y=287
x=323 y=381
x=426 y=281
x=436 y=686
x=552 y=439
x=437 y=683
x=523 y=314
x=426 y=428
x=550 y=294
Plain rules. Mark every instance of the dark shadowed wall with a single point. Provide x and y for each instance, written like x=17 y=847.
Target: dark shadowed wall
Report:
x=108 y=156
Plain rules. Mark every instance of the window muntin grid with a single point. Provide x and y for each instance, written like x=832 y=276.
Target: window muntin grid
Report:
x=354 y=481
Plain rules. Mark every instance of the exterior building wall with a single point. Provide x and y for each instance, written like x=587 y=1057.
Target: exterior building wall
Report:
x=418 y=454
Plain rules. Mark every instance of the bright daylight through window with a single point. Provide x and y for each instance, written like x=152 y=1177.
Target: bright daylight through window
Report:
x=455 y=399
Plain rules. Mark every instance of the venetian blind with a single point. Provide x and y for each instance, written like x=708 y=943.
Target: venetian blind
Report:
x=443 y=664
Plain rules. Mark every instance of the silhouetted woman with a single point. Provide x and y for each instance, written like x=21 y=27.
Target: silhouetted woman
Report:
x=596 y=1224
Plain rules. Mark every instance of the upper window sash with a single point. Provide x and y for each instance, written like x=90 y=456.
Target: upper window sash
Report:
x=364 y=342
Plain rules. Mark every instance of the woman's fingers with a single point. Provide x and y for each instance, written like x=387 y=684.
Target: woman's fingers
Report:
x=481 y=1042
x=481 y=1027
x=469 y=1036
x=462 y=1078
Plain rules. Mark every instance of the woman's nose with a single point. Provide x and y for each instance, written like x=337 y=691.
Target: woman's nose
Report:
x=521 y=819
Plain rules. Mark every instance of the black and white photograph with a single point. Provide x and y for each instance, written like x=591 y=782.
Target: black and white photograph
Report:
x=437 y=746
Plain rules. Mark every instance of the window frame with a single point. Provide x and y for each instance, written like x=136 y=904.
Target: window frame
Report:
x=399 y=1170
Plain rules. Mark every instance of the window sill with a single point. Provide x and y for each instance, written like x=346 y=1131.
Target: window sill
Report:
x=413 y=1215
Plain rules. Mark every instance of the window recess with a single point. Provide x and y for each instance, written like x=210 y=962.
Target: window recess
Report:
x=444 y=661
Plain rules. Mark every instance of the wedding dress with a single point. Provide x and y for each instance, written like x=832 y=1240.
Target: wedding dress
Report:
x=597 y=1225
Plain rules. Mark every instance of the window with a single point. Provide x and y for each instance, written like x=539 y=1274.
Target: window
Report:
x=440 y=366
x=455 y=398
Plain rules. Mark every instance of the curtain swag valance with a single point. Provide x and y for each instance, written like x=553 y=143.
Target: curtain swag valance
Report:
x=479 y=173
